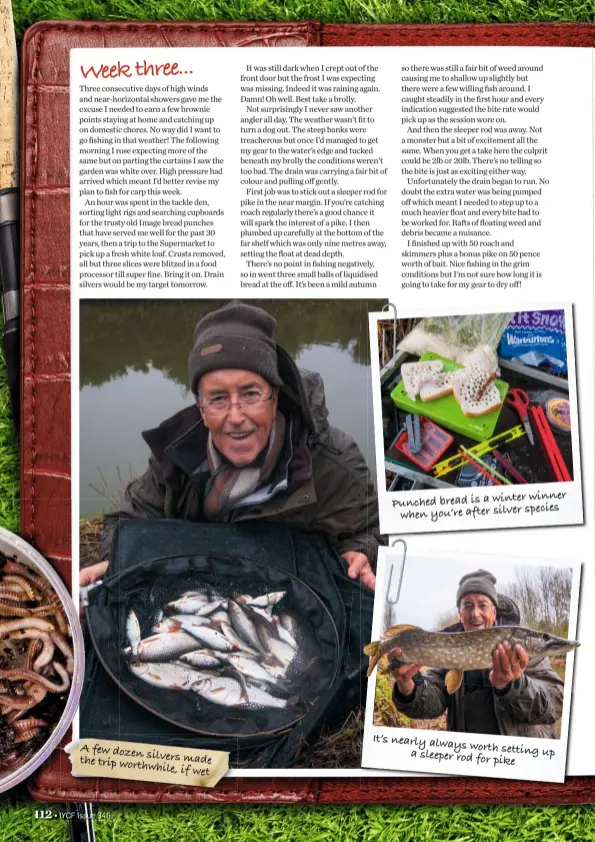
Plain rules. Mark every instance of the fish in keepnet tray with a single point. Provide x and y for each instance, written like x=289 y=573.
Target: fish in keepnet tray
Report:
x=232 y=652
x=164 y=647
x=460 y=651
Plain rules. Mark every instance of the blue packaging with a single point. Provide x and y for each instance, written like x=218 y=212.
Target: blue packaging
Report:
x=535 y=337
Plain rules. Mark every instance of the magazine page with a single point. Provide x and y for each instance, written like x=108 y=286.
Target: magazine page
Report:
x=346 y=297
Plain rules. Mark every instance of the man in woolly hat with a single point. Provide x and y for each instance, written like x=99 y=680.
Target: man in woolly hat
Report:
x=256 y=444
x=514 y=698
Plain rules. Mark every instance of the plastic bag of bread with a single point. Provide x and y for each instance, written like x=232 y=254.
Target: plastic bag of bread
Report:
x=456 y=337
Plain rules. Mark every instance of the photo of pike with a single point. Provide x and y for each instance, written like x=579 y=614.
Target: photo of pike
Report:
x=220 y=582
x=473 y=646
x=480 y=402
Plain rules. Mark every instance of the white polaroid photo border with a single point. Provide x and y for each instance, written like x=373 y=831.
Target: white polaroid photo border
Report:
x=447 y=507
x=454 y=753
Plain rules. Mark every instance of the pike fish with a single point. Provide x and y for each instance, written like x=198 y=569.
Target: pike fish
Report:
x=460 y=651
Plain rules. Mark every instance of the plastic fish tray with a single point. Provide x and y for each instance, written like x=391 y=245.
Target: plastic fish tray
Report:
x=446 y=411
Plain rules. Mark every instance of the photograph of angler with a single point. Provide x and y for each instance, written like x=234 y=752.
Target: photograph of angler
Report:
x=472 y=403
x=228 y=581
x=486 y=649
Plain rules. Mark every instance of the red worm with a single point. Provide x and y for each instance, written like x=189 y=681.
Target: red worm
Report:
x=15 y=675
x=24 y=583
x=25 y=623
x=13 y=592
x=12 y=609
x=26 y=735
x=66 y=650
x=29 y=723
x=44 y=610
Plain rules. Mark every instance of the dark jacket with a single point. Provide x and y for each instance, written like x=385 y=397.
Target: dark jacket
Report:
x=330 y=488
x=529 y=707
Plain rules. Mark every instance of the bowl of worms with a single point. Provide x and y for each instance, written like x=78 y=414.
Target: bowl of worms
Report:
x=41 y=659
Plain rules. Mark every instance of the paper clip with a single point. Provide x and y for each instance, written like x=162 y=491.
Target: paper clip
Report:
x=385 y=307
x=390 y=575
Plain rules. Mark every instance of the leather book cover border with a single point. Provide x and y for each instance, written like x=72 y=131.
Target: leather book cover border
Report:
x=45 y=411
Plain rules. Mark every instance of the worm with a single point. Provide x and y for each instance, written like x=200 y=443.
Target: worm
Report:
x=14 y=592
x=44 y=610
x=29 y=723
x=17 y=703
x=37 y=694
x=46 y=654
x=66 y=650
x=31 y=652
x=12 y=609
x=27 y=734
x=16 y=674
x=24 y=583
x=25 y=623
x=41 y=585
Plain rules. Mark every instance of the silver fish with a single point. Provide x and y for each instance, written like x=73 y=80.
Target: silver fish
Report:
x=165 y=675
x=289 y=624
x=166 y=647
x=243 y=626
x=249 y=668
x=174 y=623
x=210 y=607
x=187 y=604
x=257 y=696
x=266 y=613
x=236 y=640
x=209 y=637
x=284 y=634
x=202 y=658
x=218 y=617
x=267 y=599
x=282 y=651
x=133 y=632
x=221 y=690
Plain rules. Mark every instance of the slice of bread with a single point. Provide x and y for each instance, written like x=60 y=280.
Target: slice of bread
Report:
x=472 y=406
x=436 y=386
x=414 y=374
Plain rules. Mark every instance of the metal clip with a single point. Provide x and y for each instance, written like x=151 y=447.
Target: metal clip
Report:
x=385 y=307
x=390 y=575
x=84 y=592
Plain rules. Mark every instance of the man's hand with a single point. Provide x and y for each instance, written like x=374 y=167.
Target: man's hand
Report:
x=509 y=663
x=403 y=674
x=358 y=565
x=88 y=575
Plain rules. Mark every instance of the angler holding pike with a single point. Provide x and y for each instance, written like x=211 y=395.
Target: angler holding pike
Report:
x=255 y=445
x=513 y=697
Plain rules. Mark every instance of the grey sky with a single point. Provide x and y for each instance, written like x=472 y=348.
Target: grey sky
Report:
x=430 y=585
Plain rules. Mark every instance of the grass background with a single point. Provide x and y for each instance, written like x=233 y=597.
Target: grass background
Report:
x=273 y=824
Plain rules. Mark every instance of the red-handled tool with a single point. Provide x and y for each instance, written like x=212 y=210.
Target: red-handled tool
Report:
x=550 y=444
x=519 y=400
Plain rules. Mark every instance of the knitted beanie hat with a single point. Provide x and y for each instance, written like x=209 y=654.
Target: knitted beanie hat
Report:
x=236 y=335
x=480 y=581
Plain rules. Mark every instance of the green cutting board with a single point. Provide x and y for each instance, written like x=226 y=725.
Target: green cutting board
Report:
x=446 y=411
